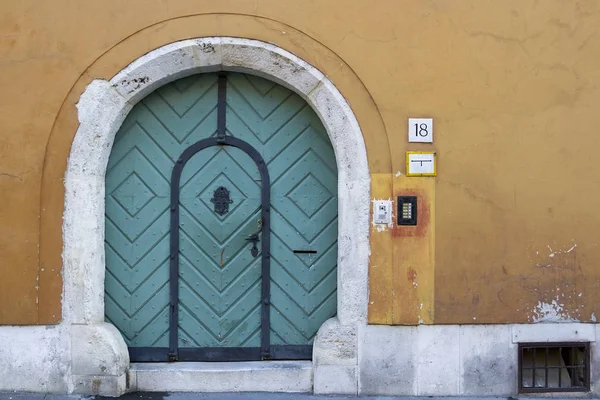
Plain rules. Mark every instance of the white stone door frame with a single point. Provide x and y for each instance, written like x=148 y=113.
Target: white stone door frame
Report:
x=98 y=352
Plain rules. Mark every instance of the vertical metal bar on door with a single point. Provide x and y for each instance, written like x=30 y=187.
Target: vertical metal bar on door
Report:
x=265 y=326
x=174 y=261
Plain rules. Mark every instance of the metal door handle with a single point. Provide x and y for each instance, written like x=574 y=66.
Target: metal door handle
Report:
x=254 y=239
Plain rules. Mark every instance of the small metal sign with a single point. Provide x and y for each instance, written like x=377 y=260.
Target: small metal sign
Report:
x=420 y=163
x=221 y=200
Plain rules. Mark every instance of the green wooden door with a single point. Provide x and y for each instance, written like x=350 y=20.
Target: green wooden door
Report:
x=219 y=279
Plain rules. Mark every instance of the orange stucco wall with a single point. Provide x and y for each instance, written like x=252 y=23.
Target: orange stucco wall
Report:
x=509 y=224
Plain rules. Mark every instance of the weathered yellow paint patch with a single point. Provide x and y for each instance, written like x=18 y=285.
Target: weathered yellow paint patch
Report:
x=380 y=262
x=401 y=271
x=414 y=255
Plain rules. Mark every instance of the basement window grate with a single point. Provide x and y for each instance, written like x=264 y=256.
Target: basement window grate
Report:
x=554 y=367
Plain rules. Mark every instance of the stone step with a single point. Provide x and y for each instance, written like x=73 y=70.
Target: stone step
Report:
x=255 y=376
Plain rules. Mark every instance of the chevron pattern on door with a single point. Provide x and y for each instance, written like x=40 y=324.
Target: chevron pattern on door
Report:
x=219 y=285
x=219 y=280
x=293 y=142
x=153 y=136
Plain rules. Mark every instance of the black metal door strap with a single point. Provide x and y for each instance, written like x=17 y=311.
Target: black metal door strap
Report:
x=221 y=204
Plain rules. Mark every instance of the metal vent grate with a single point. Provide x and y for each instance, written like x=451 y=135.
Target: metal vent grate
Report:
x=554 y=367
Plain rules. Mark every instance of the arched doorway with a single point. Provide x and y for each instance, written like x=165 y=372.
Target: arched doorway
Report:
x=221 y=223
x=102 y=109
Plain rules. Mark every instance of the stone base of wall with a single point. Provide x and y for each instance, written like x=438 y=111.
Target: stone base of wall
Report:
x=435 y=360
x=458 y=360
x=34 y=358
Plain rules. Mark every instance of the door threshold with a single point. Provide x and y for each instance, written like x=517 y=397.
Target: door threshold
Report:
x=245 y=376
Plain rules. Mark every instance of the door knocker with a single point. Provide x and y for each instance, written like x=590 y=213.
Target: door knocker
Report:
x=221 y=200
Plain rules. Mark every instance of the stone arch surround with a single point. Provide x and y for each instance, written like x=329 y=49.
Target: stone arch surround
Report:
x=98 y=352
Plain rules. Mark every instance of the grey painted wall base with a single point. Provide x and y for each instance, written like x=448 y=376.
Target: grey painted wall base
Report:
x=63 y=359
x=34 y=358
x=458 y=360
x=442 y=360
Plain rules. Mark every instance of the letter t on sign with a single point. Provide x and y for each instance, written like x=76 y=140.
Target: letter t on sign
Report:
x=420 y=163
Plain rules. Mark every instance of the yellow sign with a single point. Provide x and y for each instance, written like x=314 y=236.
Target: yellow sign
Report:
x=421 y=163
